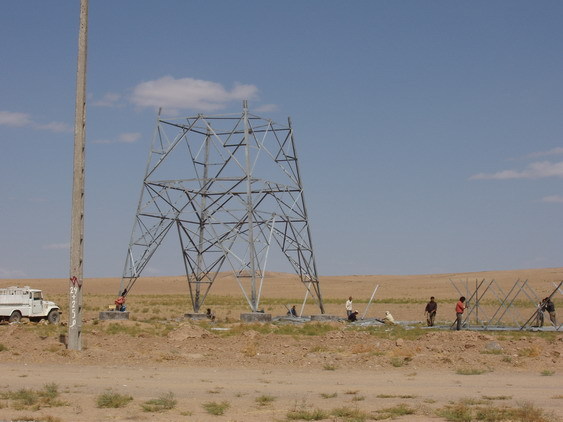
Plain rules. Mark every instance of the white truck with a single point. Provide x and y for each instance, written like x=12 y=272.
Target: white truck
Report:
x=18 y=302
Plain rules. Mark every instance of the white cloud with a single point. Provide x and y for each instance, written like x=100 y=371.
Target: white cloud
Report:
x=537 y=170
x=125 y=138
x=553 y=199
x=189 y=93
x=5 y=273
x=266 y=108
x=554 y=151
x=9 y=118
x=55 y=127
x=109 y=99
x=57 y=246
x=129 y=137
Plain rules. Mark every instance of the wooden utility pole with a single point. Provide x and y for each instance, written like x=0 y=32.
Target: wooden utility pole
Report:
x=77 y=220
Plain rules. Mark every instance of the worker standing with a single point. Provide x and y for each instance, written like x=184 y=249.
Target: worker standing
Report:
x=349 y=307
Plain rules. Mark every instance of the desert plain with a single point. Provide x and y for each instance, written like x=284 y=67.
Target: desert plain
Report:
x=160 y=366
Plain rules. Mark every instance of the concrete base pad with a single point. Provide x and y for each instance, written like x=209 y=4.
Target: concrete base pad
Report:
x=256 y=317
x=195 y=316
x=114 y=315
x=325 y=317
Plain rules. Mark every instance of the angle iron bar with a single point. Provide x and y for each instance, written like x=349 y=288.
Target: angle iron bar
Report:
x=212 y=268
x=236 y=132
x=212 y=135
x=501 y=297
x=512 y=300
x=291 y=175
x=262 y=147
x=528 y=291
x=300 y=212
x=149 y=251
x=165 y=154
x=154 y=235
x=157 y=204
x=177 y=184
x=309 y=235
x=317 y=296
x=305 y=299
x=282 y=144
x=370 y=300
x=224 y=144
x=289 y=240
x=515 y=317
x=477 y=300
x=504 y=306
x=484 y=318
x=455 y=287
x=504 y=300
x=130 y=283
x=154 y=195
x=150 y=234
x=201 y=274
x=290 y=159
x=212 y=242
x=317 y=287
x=194 y=299
x=133 y=264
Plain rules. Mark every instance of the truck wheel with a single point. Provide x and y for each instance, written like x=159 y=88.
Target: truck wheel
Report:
x=15 y=317
x=54 y=317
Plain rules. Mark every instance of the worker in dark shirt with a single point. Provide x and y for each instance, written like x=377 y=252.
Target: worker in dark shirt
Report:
x=353 y=316
x=549 y=306
x=430 y=311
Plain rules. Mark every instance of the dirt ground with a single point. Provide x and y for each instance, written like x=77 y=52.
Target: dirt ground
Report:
x=276 y=372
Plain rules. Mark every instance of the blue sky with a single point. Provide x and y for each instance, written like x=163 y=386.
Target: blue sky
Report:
x=430 y=134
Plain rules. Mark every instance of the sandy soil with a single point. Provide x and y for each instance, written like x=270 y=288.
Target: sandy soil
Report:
x=159 y=352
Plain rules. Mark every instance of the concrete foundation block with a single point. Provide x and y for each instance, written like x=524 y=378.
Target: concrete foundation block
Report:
x=194 y=316
x=114 y=315
x=325 y=317
x=256 y=317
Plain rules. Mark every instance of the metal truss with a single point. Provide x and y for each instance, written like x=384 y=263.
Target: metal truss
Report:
x=506 y=302
x=230 y=187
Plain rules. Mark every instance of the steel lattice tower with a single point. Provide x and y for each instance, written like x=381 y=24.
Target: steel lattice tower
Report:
x=231 y=188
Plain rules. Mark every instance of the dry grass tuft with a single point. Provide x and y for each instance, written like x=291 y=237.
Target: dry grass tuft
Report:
x=112 y=400
x=215 y=408
x=165 y=402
